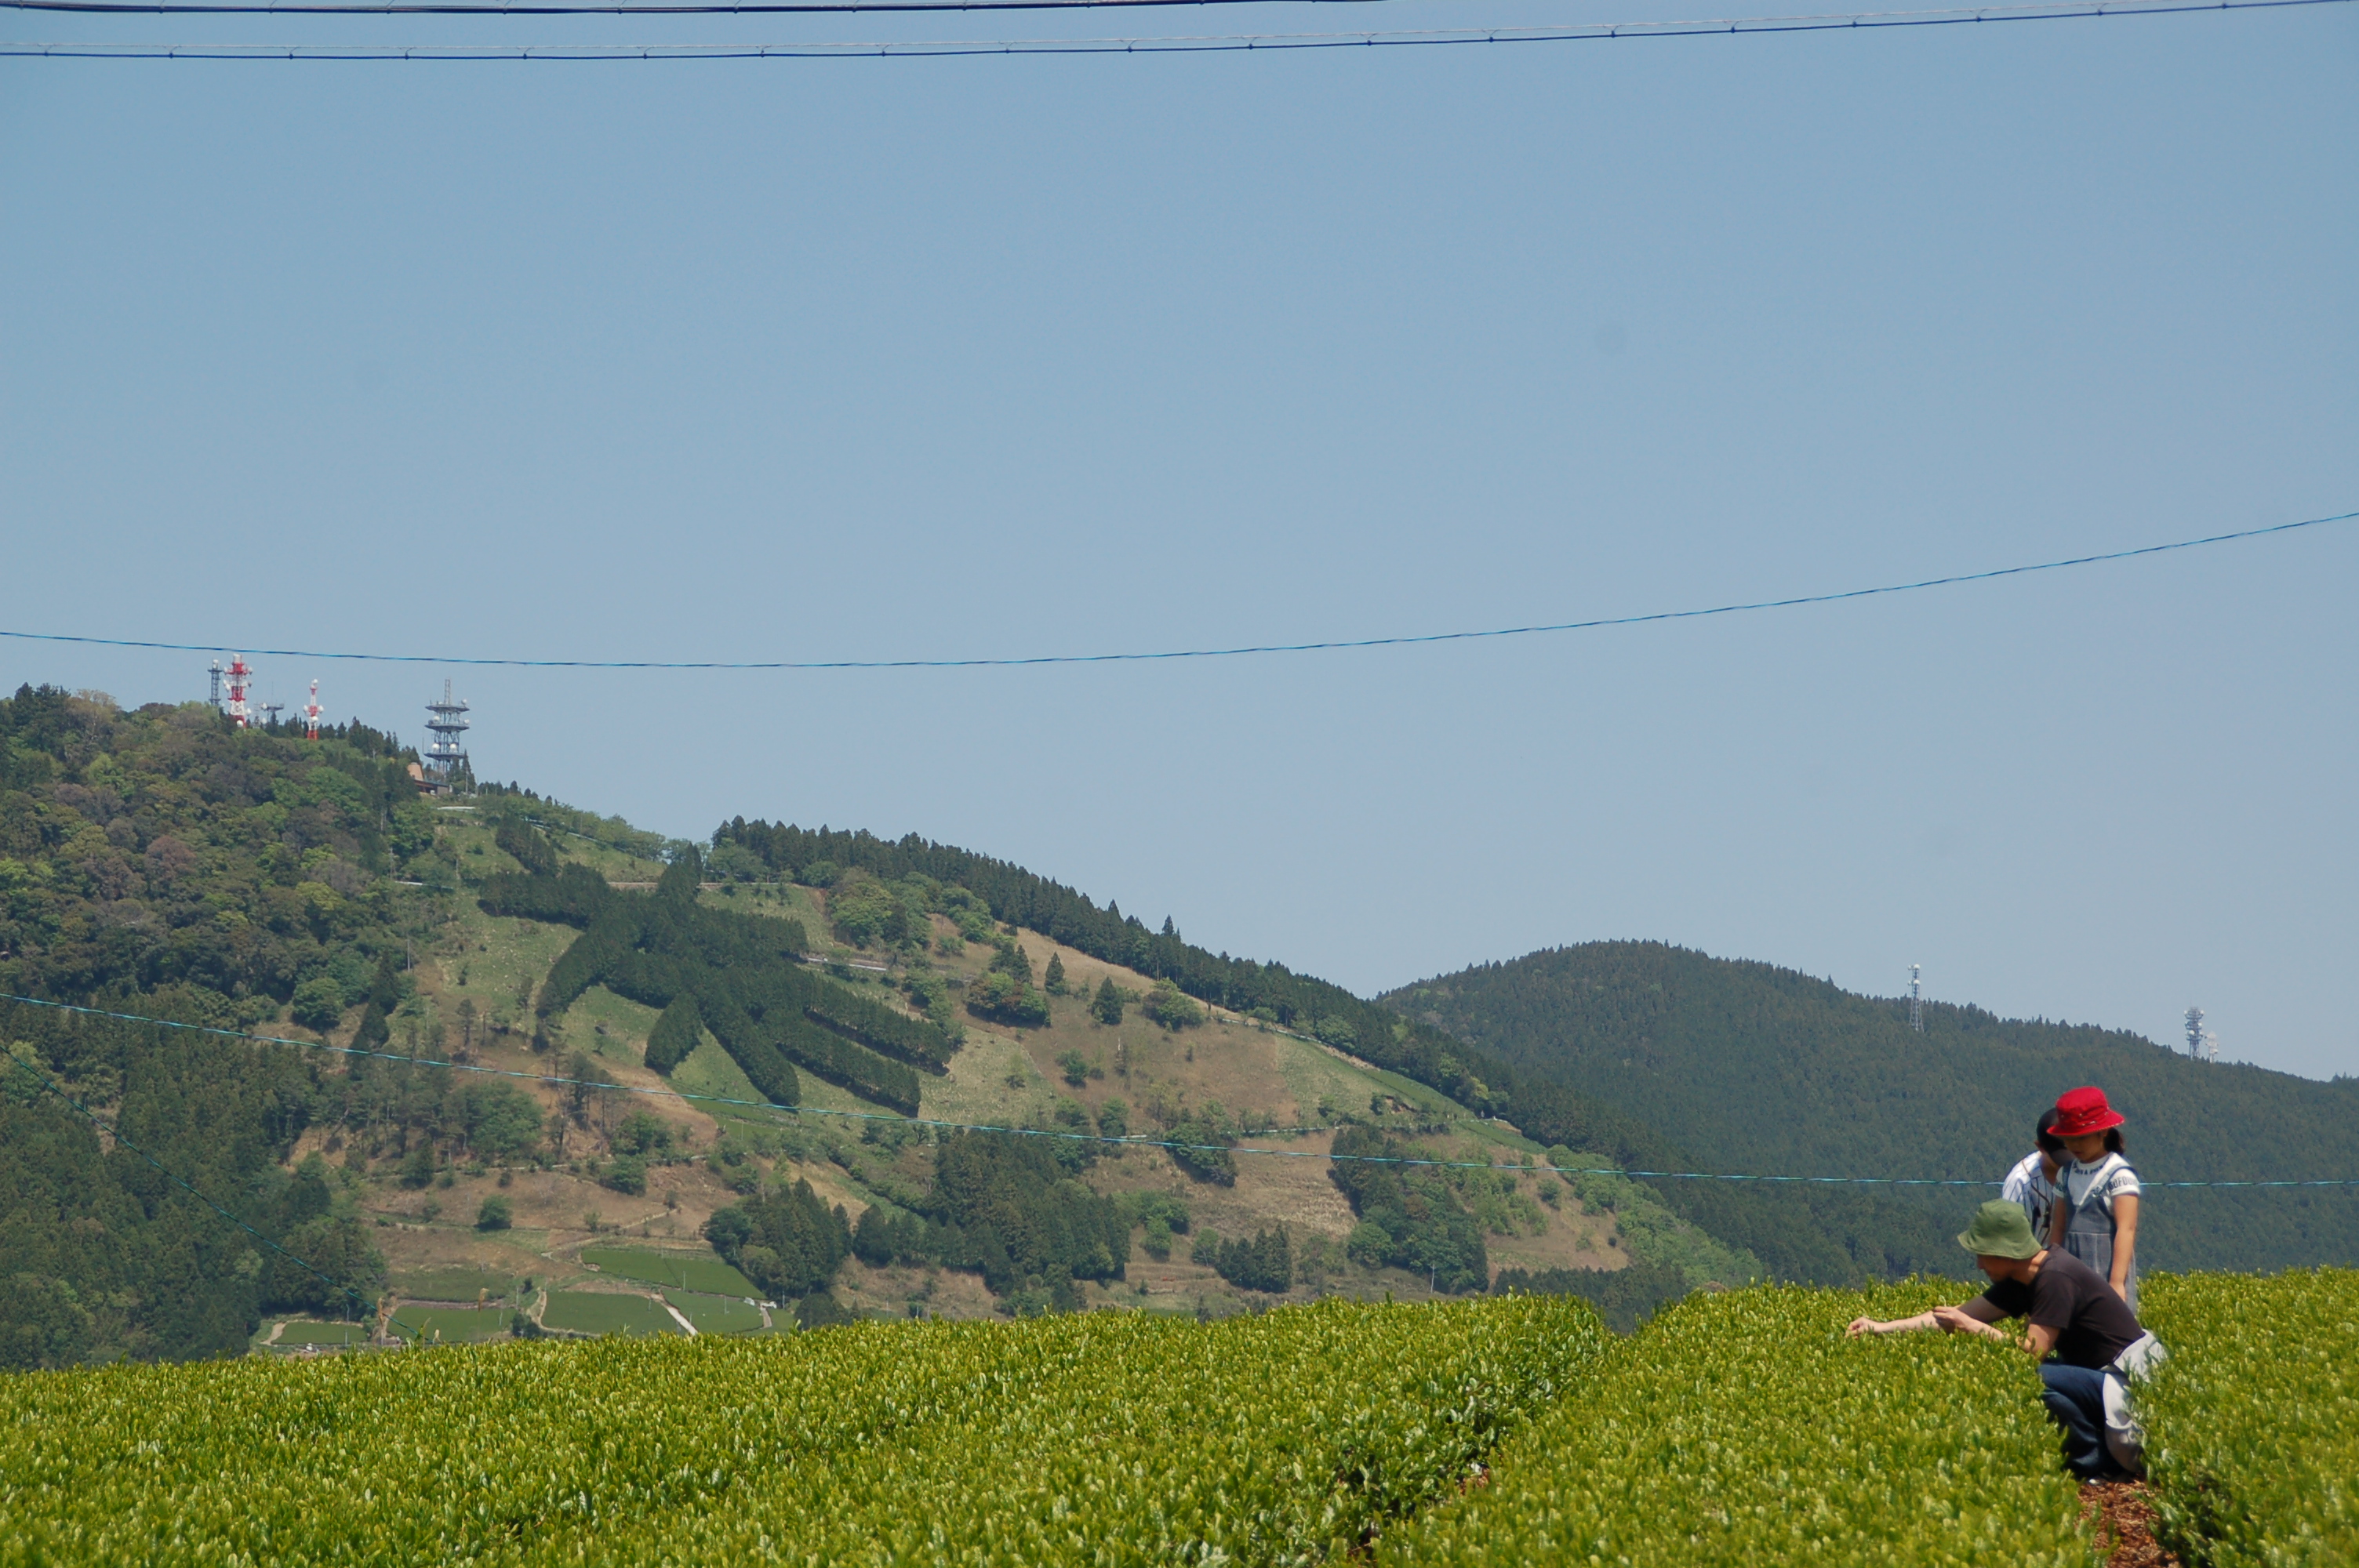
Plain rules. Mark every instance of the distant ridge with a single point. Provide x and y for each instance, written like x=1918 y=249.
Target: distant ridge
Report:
x=1753 y=1067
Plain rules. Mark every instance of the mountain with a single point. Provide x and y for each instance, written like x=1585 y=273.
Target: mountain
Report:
x=1751 y=1068
x=470 y=1021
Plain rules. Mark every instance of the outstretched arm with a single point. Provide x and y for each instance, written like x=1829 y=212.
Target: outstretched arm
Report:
x=1975 y=1317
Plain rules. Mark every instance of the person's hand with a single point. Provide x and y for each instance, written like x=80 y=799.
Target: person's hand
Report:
x=1954 y=1320
x=1860 y=1325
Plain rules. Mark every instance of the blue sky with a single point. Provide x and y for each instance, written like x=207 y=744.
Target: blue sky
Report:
x=935 y=358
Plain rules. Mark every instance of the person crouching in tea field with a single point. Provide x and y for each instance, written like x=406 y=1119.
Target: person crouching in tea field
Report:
x=2072 y=1315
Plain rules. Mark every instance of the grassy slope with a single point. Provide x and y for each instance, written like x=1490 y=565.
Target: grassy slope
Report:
x=1002 y=1077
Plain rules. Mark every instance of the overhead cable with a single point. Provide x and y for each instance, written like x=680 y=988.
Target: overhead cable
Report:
x=1237 y=652
x=1066 y=1135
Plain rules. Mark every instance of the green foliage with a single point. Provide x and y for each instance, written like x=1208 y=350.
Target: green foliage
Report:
x=529 y=848
x=101 y=1257
x=766 y=1008
x=417 y=1166
x=679 y=1030
x=1006 y=999
x=500 y=1121
x=1291 y=1437
x=1074 y=1067
x=625 y=1174
x=1114 y=1119
x=604 y=1313
x=163 y=849
x=1155 y=1239
x=43 y=1323
x=574 y=896
x=1106 y=1006
x=1198 y=1144
x=319 y=1003
x=1053 y=979
x=494 y=1213
x=1762 y=1069
x=787 y=1241
x=2252 y=1423
x=1425 y=1228
x=644 y=1133
x=1624 y=1297
x=695 y=1271
x=1265 y=1263
x=1745 y=1429
x=869 y=914
x=1167 y=1005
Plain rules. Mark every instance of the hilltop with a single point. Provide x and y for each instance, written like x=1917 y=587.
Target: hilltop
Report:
x=1756 y=1068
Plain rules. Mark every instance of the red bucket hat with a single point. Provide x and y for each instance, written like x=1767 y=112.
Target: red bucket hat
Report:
x=2080 y=1112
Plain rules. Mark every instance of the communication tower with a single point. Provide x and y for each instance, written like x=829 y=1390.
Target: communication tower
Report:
x=1916 y=999
x=241 y=681
x=214 y=695
x=270 y=712
x=446 y=754
x=2203 y=1045
x=312 y=714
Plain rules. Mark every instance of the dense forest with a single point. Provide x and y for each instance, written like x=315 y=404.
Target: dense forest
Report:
x=161 y=861
x=1754 y=1068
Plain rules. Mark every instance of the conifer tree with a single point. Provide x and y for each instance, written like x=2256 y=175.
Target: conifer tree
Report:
x=1053 y=981
x=1106 y=1006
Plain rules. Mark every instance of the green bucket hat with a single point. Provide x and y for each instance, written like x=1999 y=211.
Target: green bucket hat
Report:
x=1999 y=1230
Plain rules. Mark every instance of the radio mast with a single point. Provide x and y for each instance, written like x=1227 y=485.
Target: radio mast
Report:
x=241 y=676
x=312 y=714
x=2203 y=1045
x=446 y=754
x=1916 y=999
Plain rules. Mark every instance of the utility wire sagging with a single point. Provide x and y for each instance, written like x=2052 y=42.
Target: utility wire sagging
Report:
x=1404 y=641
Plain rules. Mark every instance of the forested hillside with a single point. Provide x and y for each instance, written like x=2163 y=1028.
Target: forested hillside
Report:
x=1754 y=1068
x=474 y=1019
x=1821 y=1236
x=158 y=859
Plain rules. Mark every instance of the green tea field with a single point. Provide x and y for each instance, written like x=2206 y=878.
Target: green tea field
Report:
x=1734 y=1428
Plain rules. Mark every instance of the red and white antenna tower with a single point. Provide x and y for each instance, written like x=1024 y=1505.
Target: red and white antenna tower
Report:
x=239 y=674
x=312 y=714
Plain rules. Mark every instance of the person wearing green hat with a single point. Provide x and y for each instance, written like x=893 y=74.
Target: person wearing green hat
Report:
x=2089 y=1343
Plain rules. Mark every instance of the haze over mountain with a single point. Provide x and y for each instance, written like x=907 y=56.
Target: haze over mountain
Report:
x=1758 y=1069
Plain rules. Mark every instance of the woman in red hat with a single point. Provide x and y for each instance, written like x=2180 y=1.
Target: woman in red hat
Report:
x=2097 y=1194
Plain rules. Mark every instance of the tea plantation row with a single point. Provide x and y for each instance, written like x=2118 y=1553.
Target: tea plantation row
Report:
x=1734 y=1429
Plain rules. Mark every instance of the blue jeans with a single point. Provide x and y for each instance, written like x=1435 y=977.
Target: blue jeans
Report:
x=2076 y=1398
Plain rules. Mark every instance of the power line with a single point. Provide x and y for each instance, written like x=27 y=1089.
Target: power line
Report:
x=1405 y=640
x=2069 y=10
x=761 y=7
x=116 y=1132
x=1067 y=1135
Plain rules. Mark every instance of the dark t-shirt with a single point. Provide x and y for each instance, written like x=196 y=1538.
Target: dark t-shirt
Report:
x=2093 y=1323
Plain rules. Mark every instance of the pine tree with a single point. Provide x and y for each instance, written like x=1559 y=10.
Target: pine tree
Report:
x=1054 y=980
x=1106 y=1006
